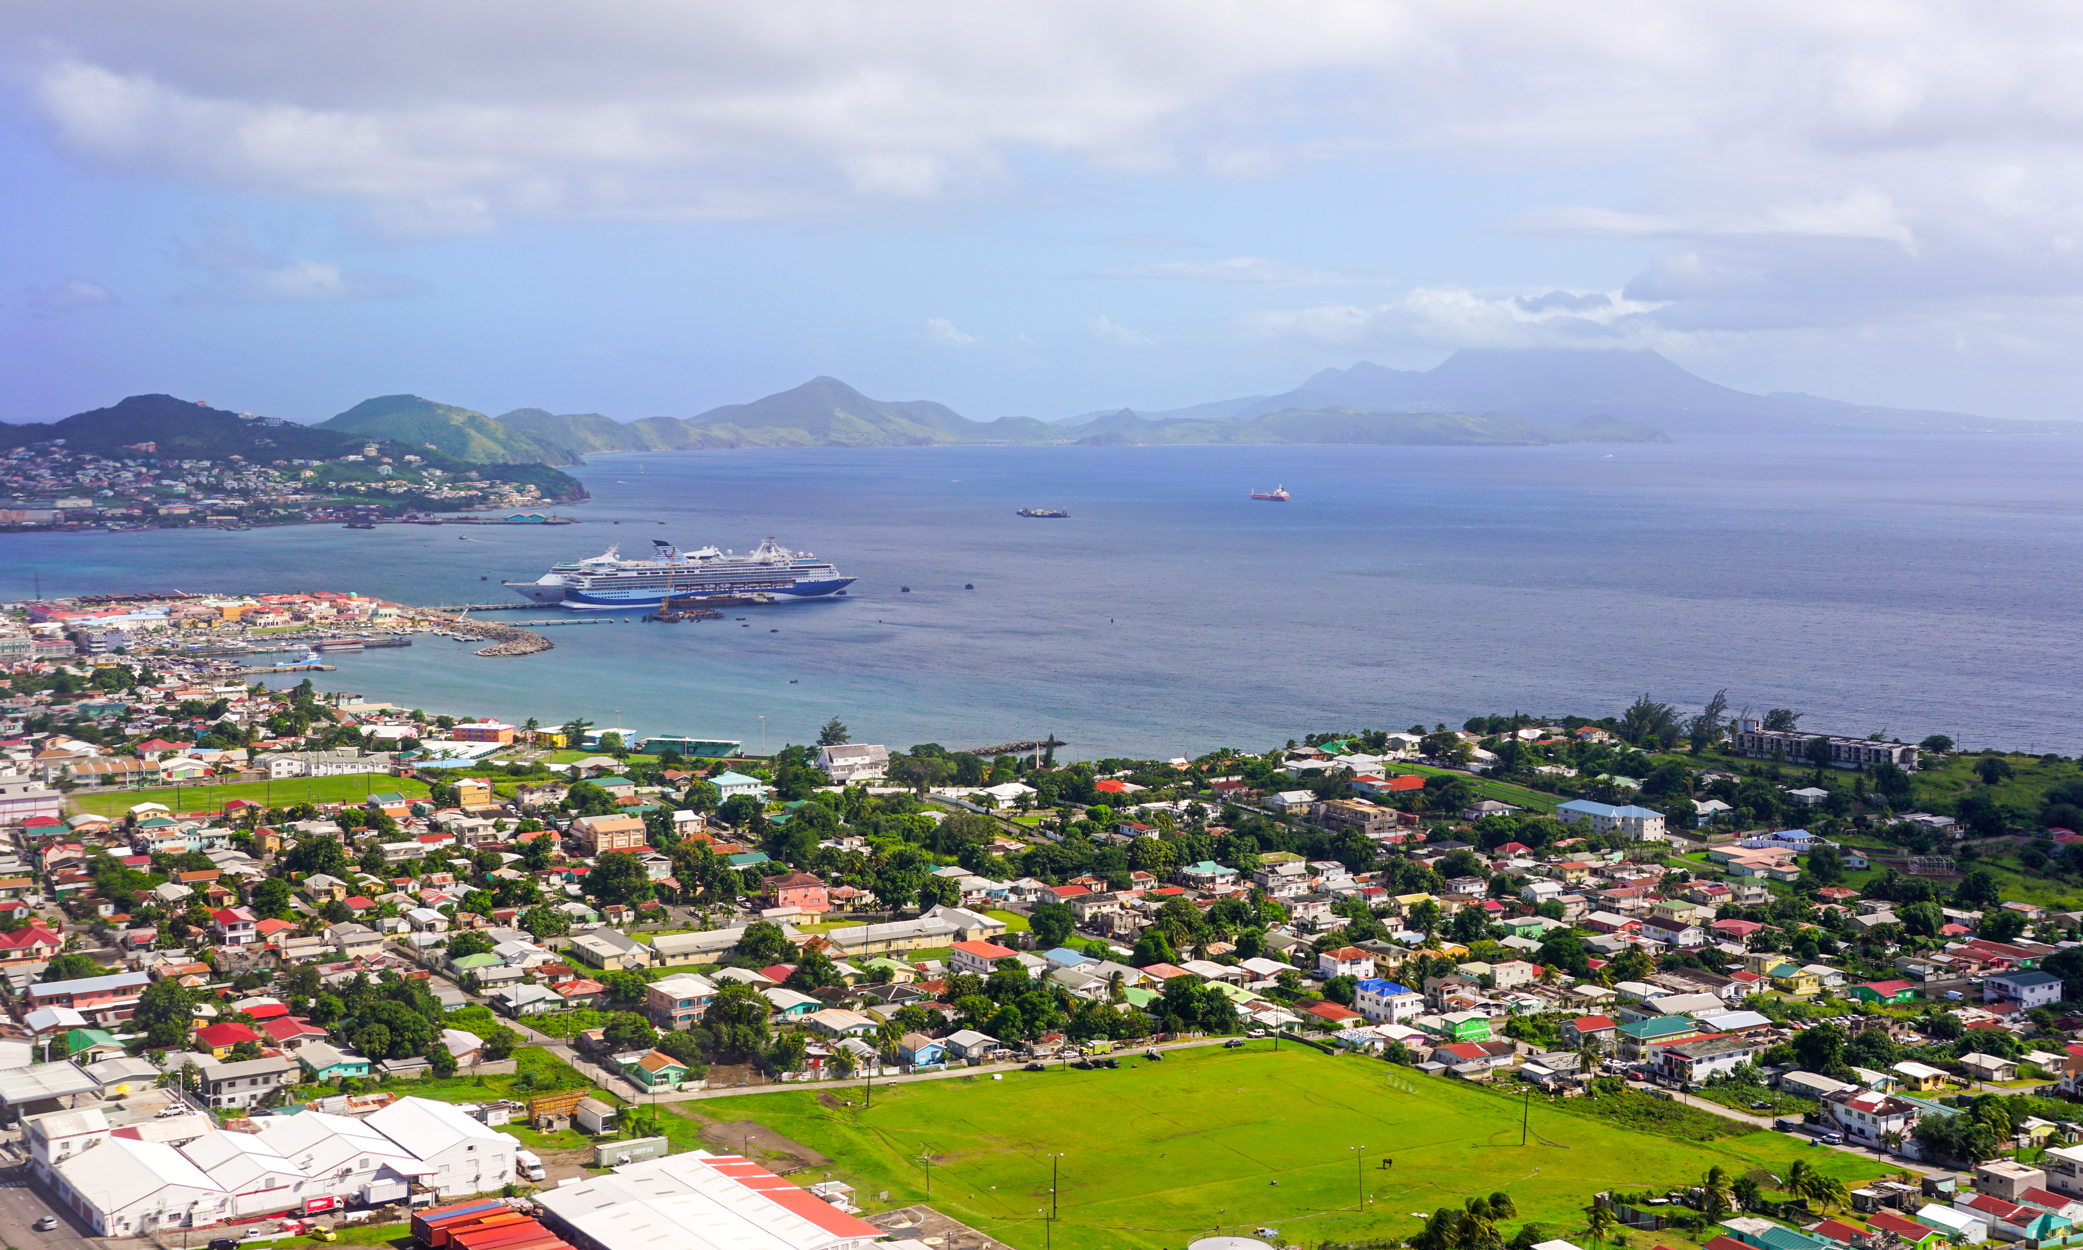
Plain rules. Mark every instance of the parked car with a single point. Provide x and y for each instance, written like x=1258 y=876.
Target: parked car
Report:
x=1233 y=1043
x=46 y=1224
x=1760 y=1105
x=1037 y=1067
x=1153 y=1053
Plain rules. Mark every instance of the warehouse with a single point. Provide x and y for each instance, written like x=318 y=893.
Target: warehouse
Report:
x=698 y=1201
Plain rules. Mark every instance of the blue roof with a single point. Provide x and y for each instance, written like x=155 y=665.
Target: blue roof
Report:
x=1587 y=807
x=1376 y=985
x=1637 y=813
x=1066 y=956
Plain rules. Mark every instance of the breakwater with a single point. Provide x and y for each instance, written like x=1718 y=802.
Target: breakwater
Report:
x=506 y=640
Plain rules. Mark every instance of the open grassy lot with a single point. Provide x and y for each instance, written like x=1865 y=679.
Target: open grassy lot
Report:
x=1537 y=801
x=1213 y=1138
x=537 y=1071
x=272 y=793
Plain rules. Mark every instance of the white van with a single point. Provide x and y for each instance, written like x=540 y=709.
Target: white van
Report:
x=528 y=1164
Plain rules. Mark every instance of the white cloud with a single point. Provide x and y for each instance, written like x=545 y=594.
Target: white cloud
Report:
x=70 y=295
x=242 y=272
x=943 y=332
x=1459 y=317
x=1106 y=329
x=1240 y=269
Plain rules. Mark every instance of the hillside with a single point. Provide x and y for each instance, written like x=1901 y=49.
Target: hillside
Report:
x=458 y=432
x=589 y=433
x=179 y=429
x=146 y=427
x=825 y=412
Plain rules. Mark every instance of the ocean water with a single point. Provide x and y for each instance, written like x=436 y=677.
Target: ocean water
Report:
x=1910 y=586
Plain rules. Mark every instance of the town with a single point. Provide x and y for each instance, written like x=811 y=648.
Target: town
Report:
x=300 y=962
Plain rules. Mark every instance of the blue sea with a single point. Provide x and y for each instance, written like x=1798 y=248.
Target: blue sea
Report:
x=1905 y=585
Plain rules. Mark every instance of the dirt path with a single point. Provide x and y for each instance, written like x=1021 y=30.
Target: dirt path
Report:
x=753 y=1139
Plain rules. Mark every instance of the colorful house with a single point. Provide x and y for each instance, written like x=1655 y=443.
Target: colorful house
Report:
x=1885 y=992
x=655 y=1070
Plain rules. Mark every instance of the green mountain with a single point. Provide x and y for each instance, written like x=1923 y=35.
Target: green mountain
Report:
x=825 y=412
x=589 y=433
x=167 y=428
x=457 y=432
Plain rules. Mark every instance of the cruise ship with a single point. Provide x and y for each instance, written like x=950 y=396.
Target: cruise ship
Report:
x=770 y=573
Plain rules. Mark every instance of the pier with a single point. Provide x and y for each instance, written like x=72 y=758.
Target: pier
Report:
x=505 y=639
x=1019 y=748
x=284 y=668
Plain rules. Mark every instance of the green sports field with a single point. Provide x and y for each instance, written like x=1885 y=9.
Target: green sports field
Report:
x=1159 y=1153
x=274 y=793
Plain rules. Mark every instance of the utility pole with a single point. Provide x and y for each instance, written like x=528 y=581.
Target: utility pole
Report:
x=1360 y=1173
x=1055 y=1176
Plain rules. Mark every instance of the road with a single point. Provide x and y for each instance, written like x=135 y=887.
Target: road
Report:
x=23 y=1202
x=1765 y=1122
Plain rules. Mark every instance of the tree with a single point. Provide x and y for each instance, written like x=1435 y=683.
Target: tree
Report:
x=765 y=942
x=70 y=968
x=1977 y=890
x=619 y=877
x=1647 y=723
x=1937 y=743
x=1818 y=752
x=1992 y=769
x=463 y=945
x=164 y=1013
x=1598 y=1222
x=373 y=1040
x=814 y=971
x=1784 y=720
x=545 y=922
x=1052 y=924
x=834 y=733
x=311 y=855
x=1705 y=729
x=624 y=988
x=627 y=1031
x=442 y=1060
x=1820 y=1048
x=271 y=898
x=735 y=1025
x=1154 y=948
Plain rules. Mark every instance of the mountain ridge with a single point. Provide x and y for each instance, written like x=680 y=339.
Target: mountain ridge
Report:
x=460 y=432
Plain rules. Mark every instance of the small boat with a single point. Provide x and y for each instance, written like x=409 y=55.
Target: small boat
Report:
x=969 y=585
x=1053 y=514
x=1277 y=495
x=904 y=589
x=359 y=525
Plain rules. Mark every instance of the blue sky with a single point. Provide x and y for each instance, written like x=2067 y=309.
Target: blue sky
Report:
x=657 y=208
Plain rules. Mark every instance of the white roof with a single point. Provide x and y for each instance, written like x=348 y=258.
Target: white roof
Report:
x=238 y=1160
x=45 y=1019
x=685 y=983
x=136 y=1170
x=44 y=1080
x=431 y=1127
x=681 y=1202
x=322 y=1144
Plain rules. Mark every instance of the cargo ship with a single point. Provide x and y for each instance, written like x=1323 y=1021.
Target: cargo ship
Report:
x=770 y=573
x=1052 y=513
x=1277 y=495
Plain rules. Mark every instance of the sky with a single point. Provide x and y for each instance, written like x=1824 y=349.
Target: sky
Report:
x=653 y=208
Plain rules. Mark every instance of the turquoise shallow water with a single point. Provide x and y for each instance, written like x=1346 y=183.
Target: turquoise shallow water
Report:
x=1923 y=586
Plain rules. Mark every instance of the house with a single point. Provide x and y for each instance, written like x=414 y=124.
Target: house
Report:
x=1598 y=1029
x=978 y=957
x=654 y=1070
x=677 y=1001
x=246 y=1083
x=1688 y=1062
x=970 y=1044
x=1885 y=992
x=853 y=761
x=1912 y=1234
x=2007 y=1179
x=2008 y=1220
x=1869 y=1117
x=326 y=1062
x=1989 y=1068
x=839 y=1022
x=731 y=784
x=1638 y=823
x=1331 y=1015
x=233 y=926
x=1386 y=1002
x=609 y=951
x=353 y=940
x=2027 y=989
x=803 y=891
x=526 y=1000
x=1920 y=1078
x=918 y=1050
x=600 y=834
x=1345 y=961
x=1638 y=1038
x=1794 y=980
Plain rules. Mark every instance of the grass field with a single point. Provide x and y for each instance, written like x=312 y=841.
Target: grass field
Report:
x=272 y=793
x=1156 y=1153
x=1538 y=801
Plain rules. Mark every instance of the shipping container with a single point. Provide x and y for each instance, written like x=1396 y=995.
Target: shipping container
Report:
x=423 y=1222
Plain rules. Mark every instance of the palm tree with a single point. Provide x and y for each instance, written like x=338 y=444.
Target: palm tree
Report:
x=1891 y=1141
x=1502 y=1207
x=1747 y=1193
x=1795 y=1181
x=1833 y=1193
x=1599 y=1221
x=1714 y=1193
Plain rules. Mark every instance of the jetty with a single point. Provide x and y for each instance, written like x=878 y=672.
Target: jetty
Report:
x=283 y=668
x=506 y=640
x=1019 y=748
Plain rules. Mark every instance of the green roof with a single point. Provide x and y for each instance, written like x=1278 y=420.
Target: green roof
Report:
x=467 y=962
x=1657 y=1026
x=78 y=1040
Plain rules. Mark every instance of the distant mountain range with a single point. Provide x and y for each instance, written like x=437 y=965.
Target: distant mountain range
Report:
x=1474 y=398
x=1567 y=386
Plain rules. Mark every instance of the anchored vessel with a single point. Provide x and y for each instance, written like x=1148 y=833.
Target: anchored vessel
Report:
x=770 y=572
x=1051 y=513
x=1277 y=495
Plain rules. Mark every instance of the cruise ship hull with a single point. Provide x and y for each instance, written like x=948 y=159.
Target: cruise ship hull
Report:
x=562 y=596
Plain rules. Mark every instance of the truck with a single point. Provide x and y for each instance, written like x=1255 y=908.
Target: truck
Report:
x=528 y=1164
